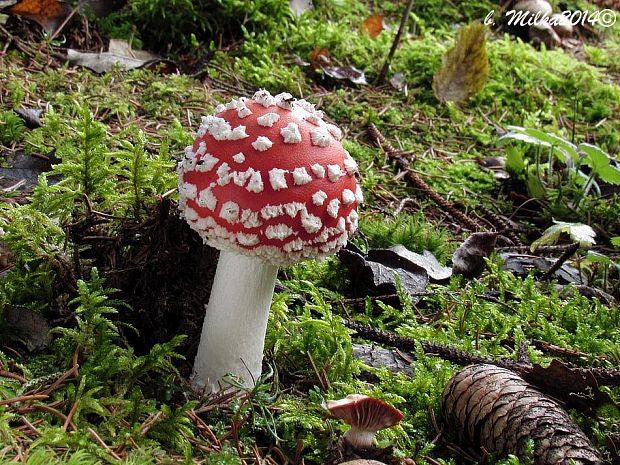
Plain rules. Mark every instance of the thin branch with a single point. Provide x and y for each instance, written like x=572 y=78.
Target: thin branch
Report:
x=418 y=182
x=397 y=38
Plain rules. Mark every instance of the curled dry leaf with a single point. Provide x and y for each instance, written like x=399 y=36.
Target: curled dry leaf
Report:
x=350 y=73
x=522 y=264
x=31 y=117
x=465 y=67
x=48 y=13
x=468 y=259
x=436 y=271
x=496 y=409
x=373 y=25
x=119 y=53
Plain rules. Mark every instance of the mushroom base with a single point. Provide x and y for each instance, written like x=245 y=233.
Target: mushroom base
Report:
x=233 y=332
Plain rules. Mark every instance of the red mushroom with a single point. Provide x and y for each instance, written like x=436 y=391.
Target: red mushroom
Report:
x=366 y=415
x=268 y=183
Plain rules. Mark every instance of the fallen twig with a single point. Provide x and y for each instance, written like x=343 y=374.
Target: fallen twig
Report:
x=397 y=38
x=603 y=376
x=418 y=182
x=568 y=253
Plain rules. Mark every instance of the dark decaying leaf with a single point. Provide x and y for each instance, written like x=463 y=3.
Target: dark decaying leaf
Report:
x=100 y=8
x=31 y=117
x=31 y=327
x=497 y=166
x=48 y=13
x=586 y=291
x=577 y=388
x=494 y=408
x=377 y=272
x=468 y=259
x=379 y=357
x=436 y=271
x=465 y=67
x=6 y=256
x=28 y=168
x=373 y=25
x=351 y=73
x=522 y=264
x=612 y=444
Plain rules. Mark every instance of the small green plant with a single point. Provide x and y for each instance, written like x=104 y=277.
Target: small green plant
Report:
x=11 y=128
x=560 y=173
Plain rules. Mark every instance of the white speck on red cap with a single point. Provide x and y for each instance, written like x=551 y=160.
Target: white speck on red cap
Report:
x=318 y=198
x=230 y=212
x=332 y=208
x=334 y=172
x=264 y=98
x=301 y=176
x=350 y=164
x=348 y=197
x=238 y=133
x=320 y=137
x=206 y=199
x=256 y=183
x=262 y=143
x=291 y=133
x=334 y=131
x=268 y=119
x=277 y=179
x=278 y=231
x=239 y=158
x=318 y=170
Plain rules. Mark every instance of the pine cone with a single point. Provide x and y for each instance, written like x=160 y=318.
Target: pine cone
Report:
x=495 y=408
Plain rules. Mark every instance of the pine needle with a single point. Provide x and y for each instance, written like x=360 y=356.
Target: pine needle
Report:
x=465 y=67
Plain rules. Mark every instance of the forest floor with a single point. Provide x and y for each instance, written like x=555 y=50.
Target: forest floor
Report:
x=103 y=286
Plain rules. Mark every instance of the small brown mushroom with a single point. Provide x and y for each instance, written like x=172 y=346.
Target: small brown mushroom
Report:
x=366 y=415
x=561 y=25
x=543 y=33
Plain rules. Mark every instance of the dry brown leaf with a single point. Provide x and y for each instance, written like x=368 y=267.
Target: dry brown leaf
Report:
x=48 y=13
x=319 y=56
x=465 y=67
x=373 y=25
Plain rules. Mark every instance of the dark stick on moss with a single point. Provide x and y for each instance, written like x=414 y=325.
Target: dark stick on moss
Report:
x=417 y=181
x=568 y=253
x=451 y=354
x=507 y=229
x=542 y=250
x=397 y=38
x=604 y=376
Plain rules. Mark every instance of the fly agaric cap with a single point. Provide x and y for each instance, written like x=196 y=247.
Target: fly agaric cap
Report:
x=267 y=177
x=366 y=415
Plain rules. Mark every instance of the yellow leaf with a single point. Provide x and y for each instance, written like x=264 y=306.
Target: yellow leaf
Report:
x=465 y=67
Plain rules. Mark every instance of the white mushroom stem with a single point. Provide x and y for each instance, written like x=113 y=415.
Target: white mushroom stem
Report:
x=359 y=438
x=233 y=332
